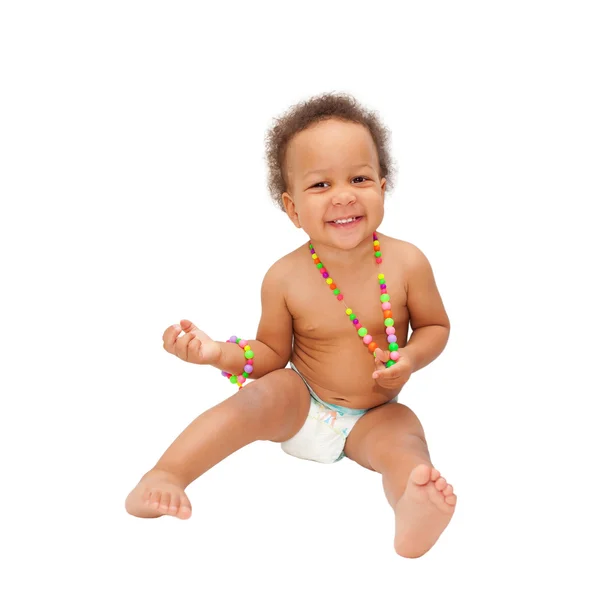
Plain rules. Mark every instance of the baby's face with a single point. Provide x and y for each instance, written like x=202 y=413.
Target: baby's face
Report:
x=332 y=171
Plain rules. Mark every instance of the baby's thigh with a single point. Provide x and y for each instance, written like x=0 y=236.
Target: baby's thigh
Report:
x=280 y=401
x=386 y=426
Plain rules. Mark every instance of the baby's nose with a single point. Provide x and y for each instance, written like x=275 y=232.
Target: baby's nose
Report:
x=344 y=197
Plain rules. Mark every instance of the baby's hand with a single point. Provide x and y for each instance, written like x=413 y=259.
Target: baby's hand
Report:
x=396 y=375
x=193 y=347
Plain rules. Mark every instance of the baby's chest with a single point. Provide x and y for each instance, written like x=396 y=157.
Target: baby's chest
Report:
x=318 y=314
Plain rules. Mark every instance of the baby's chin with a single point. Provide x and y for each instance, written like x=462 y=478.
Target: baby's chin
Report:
x=341 y=240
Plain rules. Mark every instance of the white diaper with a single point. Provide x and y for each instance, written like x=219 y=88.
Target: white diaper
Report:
x=323 y=435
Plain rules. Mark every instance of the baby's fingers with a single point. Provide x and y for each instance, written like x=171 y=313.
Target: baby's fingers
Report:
x=181 y=346
x=387 y=372
x=194 y=349
x=170 y=337
x=380 y=360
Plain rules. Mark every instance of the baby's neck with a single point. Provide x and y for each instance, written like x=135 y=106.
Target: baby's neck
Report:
x=340 y=260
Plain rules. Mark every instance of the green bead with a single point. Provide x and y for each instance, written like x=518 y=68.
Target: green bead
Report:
x=336 y=292
x=352 y=316
x=378 y=254
x=233 y=379
x=310 y=246
x=249 y=354
x=389 y=322
x=319 y=265
x=384 y=297
x=382 y=281
x=362 y=331
x=389 y=363
x=393 y=346
x=238 y=340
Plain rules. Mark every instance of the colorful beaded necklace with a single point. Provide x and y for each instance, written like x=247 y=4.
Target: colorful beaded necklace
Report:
x=385 y=305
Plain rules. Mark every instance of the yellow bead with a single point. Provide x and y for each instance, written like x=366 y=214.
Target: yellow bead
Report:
x=348 y=311
x=381 y=276
x=246 y=348
x=314 y=255
x=376 y=243
x=329 y=281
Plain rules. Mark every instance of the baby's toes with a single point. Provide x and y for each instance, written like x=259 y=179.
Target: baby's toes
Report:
x=165 y=501
x=449 y=496
x=185 y=510
x=154 y=499
x=174 y=505
x=146 y=496
x=440 y=484
x=421 y=474
x=435 y=474
x=450 y=499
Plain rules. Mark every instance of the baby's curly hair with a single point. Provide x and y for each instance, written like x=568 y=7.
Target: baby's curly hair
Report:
x=319 y=108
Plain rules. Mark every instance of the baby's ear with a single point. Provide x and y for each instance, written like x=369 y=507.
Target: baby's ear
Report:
x=290 y=209
x=383 y=182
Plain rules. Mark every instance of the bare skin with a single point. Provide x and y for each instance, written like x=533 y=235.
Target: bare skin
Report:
x=326 y=349
x=272 y=408
x=324 y=338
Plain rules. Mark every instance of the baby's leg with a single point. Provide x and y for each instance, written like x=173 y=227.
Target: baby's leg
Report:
x=273 y=407
x=390 y=440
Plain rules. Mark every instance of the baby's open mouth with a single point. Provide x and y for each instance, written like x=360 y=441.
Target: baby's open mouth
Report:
x=345 y=222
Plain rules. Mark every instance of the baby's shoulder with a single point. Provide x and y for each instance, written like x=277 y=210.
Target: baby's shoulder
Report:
x=283 y=267
x=403 y=252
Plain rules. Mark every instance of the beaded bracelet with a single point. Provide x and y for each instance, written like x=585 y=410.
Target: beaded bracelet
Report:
x=248 y=368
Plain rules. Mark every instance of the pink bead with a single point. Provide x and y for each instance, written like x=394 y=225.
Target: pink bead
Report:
x=394 y=355
x=390 y=330
x=386 y=306
x=250 y=361
x=378 y=260
x=340 y=296
x=357 y=325
x=367 y=339
x=241 y=379
x=243 y=343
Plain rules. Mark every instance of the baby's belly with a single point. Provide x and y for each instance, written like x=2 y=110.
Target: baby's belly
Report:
x=341 y=373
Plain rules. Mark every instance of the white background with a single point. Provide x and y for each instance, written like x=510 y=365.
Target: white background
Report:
x=133 y=194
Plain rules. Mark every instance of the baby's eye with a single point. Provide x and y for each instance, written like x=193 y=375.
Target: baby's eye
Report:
x=360 y=177
x=321 y=183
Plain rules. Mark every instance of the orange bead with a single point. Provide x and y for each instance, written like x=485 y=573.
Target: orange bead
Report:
x=387 y=314
x=316 y=261
x=332 y=286
x=372 y=346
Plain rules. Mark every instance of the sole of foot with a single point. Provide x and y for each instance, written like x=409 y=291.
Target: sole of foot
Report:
x=423 y=511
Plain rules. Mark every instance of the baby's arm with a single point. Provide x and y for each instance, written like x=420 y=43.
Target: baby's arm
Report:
x=428 y=318
x=273 y=346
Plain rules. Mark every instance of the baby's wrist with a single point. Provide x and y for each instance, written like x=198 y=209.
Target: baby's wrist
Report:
x=408 y=356
x=218 y=361
x=231 y=358
x=237 y=375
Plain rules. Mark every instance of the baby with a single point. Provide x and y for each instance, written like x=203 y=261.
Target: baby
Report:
x=337 y=311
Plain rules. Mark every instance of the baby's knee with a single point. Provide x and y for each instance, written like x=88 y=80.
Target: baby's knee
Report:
x=271 y=401
x=259 y=396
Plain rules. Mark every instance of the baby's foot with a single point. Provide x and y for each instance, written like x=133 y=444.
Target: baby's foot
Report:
x=158 y=494
x=422 y=512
